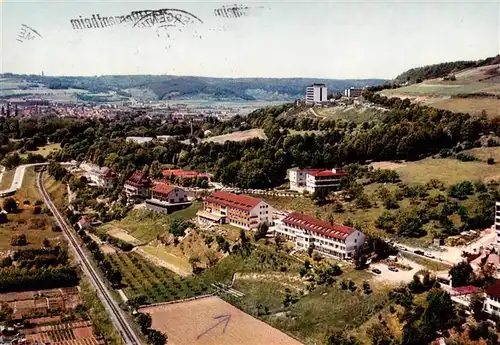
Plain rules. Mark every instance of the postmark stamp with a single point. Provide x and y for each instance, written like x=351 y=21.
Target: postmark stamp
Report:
x=27 y=34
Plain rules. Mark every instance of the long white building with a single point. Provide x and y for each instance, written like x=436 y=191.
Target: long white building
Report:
x=337 y=241
x=239 y=210
x=316 y=93
x=312 y=180
x=492 y=301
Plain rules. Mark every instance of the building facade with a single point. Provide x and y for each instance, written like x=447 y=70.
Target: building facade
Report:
x=238 y=210
x=101 y=176
x=136 y=188
x=312 y=180
x=337 y=241
x=353 y=92
x=167 y=198
x=497 y=225
x=492 y=301
x=316 y=93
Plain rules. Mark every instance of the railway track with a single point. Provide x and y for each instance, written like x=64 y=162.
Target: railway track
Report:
x=115 y=312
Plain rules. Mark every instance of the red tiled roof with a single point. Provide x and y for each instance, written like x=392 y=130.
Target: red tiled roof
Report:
x=184 y=173
x=328 y=173
x=241 y=202
x=163 y=188
x=138 y=179
x=309 y=223
x=83 y=220
x=464 y=290
x=494 y=290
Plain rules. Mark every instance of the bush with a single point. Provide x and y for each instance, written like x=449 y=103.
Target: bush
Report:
x=10 y=205
x=19 y=240
x=37 y=210
x=3 y=218
x=491 y=161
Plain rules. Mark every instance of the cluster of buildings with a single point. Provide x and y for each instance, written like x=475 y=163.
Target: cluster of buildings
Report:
x=158 y=196
x=316 y=180
x=333 y=240
x=317 y=94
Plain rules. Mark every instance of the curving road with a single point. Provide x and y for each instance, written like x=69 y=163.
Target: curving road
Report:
x=116 y=314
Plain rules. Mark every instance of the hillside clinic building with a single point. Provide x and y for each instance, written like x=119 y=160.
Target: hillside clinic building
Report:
x=336 y=241
x=316 y=93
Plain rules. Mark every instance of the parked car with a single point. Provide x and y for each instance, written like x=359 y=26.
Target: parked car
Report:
x=429 y=255
x=393 y=269
x=376 y=270
x=419 y=252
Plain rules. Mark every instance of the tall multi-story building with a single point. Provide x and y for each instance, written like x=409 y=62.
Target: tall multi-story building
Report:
x=332 y=240
x=312 y=180
x=136 y=187
x=497 y=225
x=353 y=92
x=492 y=301
x=239 y=210
x=316 y=93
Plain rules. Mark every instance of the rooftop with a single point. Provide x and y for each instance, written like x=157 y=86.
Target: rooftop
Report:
x=138 y=179
x=327 y=173
x=233 y=200
x=163 y=188
x=309 y=223
x=494 y=290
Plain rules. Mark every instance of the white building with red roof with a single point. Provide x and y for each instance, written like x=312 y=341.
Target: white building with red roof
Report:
x=312 y=180
x=337 y=241
x=239 y=210
x=136 y=187
x=167 y=198
x=492 y=302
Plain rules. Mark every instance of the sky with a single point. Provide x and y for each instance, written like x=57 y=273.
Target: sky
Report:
x=321 y=39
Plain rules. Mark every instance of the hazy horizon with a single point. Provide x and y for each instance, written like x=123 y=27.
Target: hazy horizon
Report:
x=320 y=40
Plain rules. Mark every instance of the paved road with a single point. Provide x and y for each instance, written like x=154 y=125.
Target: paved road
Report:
x=453 y=255
x=116 y=314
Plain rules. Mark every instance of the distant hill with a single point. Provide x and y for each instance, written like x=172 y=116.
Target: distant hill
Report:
x=464 y=86
x=192 y=87
x=419 y=74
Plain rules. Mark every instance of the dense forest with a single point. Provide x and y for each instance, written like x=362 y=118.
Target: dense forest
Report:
x=180 y=87
x=419 y=74
x=408 y=132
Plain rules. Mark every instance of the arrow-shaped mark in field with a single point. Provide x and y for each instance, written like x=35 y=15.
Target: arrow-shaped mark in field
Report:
x=222 y=319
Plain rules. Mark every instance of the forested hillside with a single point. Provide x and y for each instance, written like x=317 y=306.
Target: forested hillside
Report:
x=179 y=87
x=419 y=74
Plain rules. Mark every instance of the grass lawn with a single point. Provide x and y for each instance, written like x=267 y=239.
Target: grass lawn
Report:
x=429 y=264
x=237 y=136
x=35 y=227
x=146 y=225
x=295 y=132
x=29 y=190
x=162 y=253
x=7 y=178
x=483 y=153
x=44 y=150
x=57 y=190
x=350 y=113
x=448 y=170
x=473 y=105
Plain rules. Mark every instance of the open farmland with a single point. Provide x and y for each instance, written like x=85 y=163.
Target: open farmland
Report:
x=448 y=170
x=74 y=333
x=471 y=105
x=36 y=227
x=442 y=94
x=237 y=136
x=28 y=303
x=211 y=321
